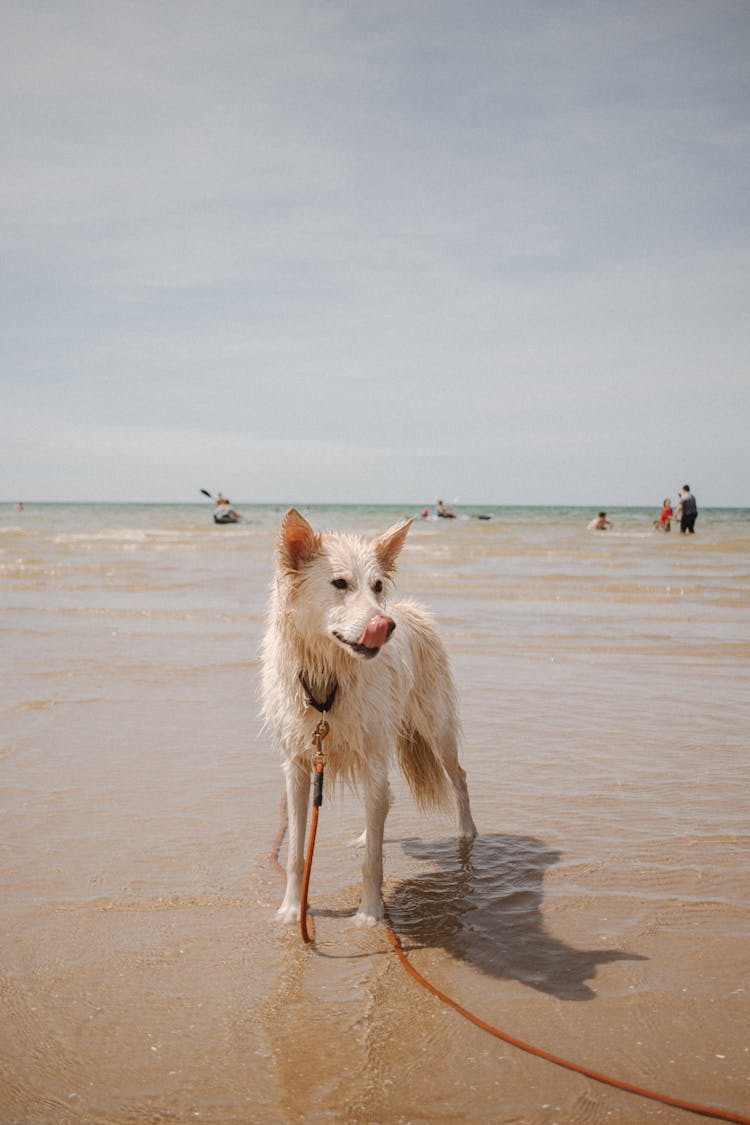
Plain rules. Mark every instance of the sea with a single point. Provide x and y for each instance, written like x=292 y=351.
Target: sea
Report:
x=602 y=914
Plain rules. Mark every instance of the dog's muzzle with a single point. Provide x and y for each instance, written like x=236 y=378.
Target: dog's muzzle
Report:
x=377 y=631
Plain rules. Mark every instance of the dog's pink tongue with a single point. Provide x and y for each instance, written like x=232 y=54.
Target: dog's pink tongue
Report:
x=377 y=631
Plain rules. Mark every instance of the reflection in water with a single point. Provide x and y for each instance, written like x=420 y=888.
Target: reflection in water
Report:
x=483 y=902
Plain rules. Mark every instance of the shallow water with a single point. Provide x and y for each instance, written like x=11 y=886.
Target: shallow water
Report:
x=602 y=913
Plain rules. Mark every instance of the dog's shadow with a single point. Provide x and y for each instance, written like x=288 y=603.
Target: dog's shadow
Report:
x=481 y=902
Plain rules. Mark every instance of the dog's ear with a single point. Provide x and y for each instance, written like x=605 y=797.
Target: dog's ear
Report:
x=388 y=545
x=298 y=542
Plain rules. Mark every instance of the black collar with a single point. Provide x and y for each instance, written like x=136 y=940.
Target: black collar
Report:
x=321 y=707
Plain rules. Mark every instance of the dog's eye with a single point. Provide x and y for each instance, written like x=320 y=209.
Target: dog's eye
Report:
x=378 y=587
x=340 y=583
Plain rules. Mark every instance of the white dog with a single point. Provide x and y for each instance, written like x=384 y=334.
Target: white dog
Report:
x=382 y=681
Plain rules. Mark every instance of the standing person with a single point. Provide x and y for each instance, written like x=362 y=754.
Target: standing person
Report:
x=687 y=510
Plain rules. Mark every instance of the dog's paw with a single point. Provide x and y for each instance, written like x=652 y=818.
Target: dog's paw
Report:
x=467 y=830
x=288 y=912
x=365 y=917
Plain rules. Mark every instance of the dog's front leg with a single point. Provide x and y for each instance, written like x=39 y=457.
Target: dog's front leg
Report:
x=297 y=798
x=376 y=809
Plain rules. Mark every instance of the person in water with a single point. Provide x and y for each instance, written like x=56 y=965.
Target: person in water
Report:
x=224 y=512
x=600 y=523
x=664 y=521
x=687 y=510
x=443 y=512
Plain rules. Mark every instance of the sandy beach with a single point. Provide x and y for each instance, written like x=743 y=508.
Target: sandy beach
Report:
x=603 y=913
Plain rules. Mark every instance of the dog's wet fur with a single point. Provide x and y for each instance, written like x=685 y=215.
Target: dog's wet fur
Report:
x=333 y=635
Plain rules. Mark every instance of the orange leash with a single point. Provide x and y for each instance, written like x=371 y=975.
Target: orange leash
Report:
x=629 y=1087
x=308 y=934
x=320 y=733
x=506 y=1037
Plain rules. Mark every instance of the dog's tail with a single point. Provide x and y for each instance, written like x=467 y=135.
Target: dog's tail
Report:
x=423 y=770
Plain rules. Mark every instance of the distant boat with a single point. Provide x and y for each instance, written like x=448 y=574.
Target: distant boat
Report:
x=230 y=516
x=223 y=512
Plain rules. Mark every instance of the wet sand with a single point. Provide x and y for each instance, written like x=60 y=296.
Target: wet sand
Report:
x=603 y=913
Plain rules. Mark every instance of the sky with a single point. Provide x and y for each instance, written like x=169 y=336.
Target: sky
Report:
x=375 y=252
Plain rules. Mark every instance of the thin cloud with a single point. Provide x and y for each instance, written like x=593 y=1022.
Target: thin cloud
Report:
x=431 y=240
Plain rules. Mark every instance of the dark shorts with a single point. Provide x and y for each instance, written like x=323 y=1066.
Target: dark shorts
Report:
x=687 y=523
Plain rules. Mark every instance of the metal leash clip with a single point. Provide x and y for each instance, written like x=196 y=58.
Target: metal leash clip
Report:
x=321 y=731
